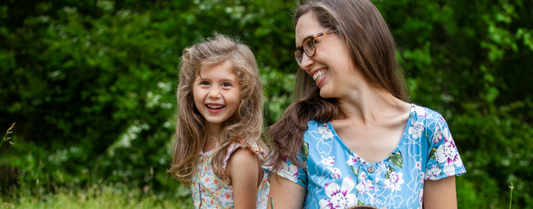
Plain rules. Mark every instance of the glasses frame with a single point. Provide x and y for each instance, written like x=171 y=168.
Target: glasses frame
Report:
x=301 y=50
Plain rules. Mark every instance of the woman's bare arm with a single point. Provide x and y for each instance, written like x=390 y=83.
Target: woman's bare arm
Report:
x=440 y=194
x=286 y=194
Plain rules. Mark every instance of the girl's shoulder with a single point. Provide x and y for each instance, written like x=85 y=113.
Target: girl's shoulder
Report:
x=246 y=144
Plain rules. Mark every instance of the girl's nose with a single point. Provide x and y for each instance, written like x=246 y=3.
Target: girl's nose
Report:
x=214 y=92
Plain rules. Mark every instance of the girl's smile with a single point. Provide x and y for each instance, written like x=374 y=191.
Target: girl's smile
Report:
x=214 y=108
x=217 y=93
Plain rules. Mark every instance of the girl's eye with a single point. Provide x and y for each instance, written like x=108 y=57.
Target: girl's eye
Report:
x=225 y=84
x=204 y=83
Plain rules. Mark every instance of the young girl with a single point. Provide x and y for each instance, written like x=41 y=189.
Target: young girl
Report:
x=352 y=139
x=218 y=150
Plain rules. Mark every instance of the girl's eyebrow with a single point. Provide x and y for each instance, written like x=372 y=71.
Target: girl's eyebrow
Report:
x=228 y=79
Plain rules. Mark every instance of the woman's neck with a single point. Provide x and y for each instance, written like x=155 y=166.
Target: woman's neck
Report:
x=371 y=104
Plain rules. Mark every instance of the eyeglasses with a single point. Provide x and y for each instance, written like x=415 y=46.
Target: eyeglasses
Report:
x=308 y=46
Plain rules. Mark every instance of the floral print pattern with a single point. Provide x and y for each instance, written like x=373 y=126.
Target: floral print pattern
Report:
x=288 y=170
x=339 y=197
x=209 y=191
x=365 y=184
x=416 y=129
x=426 y=151
x=394 y=181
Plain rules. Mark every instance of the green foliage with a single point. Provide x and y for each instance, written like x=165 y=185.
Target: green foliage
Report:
x=113 y=196
x=91 y=85
x=468 y=61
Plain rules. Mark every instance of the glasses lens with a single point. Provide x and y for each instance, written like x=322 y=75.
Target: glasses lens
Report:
x=298 y=56
x=309 y=47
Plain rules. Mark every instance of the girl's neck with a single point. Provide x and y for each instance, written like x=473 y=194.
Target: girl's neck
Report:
x=213 y=133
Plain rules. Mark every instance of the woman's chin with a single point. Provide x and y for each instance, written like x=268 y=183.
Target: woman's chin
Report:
x=324 y=93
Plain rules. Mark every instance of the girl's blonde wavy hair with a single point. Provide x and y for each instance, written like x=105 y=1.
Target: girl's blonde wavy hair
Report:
x=191 y=130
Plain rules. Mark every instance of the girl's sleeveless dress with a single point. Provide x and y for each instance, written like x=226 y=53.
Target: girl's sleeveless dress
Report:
x=209 y=191
x=335 y=177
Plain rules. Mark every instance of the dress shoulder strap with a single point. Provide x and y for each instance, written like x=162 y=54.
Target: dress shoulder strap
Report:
x=249 y=144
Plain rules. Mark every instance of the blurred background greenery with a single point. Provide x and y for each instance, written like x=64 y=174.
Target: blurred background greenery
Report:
x=92 y=83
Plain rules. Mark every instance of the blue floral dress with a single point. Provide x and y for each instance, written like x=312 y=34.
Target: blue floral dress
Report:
x=335 y=177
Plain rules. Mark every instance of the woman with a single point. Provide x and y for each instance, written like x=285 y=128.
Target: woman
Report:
x=351 y=138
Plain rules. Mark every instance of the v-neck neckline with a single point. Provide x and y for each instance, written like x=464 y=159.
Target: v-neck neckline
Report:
x=363 y=161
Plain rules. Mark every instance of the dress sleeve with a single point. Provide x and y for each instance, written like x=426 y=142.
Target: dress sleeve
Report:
x=250 y=144
x=292 y=172
x=443 y=158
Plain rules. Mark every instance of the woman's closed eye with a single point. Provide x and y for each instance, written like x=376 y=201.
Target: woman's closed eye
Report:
x=310 y=43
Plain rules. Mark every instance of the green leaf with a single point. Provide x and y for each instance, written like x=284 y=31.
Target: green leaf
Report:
x=396 y=159
x=389 y=171
x=302 y=181
x=305 y=151
x=432 y=153
x=359 y=202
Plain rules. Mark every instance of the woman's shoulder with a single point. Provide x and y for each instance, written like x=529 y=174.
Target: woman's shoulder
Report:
x=425 y=113
x=425 y=119
x=313 y=125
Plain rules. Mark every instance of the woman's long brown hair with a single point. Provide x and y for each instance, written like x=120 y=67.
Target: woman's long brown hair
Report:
x=191 y=129
x=372 y=51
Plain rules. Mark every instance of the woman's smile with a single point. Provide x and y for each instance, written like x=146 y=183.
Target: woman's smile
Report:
x=319 y=74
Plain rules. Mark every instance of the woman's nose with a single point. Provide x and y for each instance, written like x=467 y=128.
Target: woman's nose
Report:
x=306 y=62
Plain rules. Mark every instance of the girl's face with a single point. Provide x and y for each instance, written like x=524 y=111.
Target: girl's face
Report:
x=217 y=94
x=331 y=66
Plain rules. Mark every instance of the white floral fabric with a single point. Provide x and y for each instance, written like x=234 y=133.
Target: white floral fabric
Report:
x=210 y=191
x=335 y=177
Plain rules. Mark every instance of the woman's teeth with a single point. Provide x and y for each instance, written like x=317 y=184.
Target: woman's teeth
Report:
x=319 y=74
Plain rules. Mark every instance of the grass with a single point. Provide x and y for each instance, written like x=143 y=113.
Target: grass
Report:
x=117 y=196
x=98 y=197
x=511 y=196
x=6 y=138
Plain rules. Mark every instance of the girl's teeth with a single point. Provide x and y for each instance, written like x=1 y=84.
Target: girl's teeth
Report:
x=215 y=106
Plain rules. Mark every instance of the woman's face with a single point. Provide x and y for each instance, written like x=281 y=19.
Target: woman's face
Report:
x=331 y=66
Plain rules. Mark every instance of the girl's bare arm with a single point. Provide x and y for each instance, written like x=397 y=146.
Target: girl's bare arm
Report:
x=244 y=170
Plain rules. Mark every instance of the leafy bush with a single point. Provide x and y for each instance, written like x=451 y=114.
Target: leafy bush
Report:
x=91 y=85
